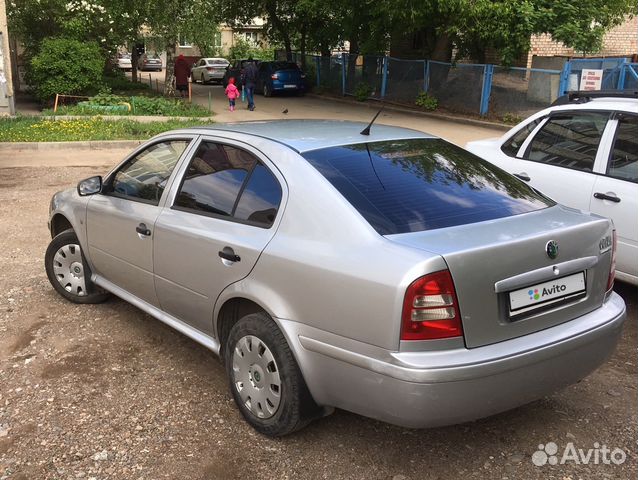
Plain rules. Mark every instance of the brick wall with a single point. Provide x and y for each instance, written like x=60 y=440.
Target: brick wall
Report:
x=619 y=41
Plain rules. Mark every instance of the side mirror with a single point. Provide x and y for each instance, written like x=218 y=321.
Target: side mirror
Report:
x=90 y=186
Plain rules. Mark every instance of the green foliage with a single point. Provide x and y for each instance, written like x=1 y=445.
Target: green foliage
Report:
x=426 y=101
x=140 y=105
x=512 y=119
x=245 y=49
x=65 y=66
x=33 y=129
x=362 y=91
x=123 y=85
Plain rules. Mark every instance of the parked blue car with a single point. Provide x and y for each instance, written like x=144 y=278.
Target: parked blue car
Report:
x=276 y=77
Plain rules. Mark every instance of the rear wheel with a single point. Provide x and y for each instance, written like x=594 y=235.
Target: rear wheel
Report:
x=68 y=271
x=193 y=78
x=267 y=91
x=202 y=79
x=264 y=377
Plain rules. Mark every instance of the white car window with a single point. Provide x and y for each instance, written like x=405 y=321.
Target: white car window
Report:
x=623 y=161
x=515 y=142
x=569 y=140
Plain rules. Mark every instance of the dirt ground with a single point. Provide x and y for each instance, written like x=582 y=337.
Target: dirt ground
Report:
x=106 y=392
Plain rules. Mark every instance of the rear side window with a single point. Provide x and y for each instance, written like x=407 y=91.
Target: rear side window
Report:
x=623 y=162
x=414 y=185
x=513 y=145
x=569 y=140
x=224 y=181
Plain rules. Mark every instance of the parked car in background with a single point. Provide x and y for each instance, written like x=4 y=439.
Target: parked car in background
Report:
x=148 y=61
x=124 y=61
x=582 y=152
x=209 y=70
x=280 y=76
x=236 y=70
x=383 y=271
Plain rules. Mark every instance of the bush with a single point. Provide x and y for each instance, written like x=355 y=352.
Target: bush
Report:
x=512 y=119
x=67 y=67
x=362 y=91
x=426 y=101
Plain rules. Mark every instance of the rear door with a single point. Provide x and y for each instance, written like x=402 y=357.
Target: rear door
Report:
x=558 y=159
x=120 y=221
x=221 y=215
x=616 y=190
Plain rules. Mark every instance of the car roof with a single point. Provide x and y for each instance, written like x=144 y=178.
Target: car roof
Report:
x=307 y=135
x=602 y=103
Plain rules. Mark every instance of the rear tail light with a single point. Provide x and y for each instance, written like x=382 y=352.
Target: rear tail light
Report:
x=274 y=76
x=612 y=267
x=210 y=69
x=430 y=309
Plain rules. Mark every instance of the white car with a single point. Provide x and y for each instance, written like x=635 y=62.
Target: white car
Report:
x=209 y=70
x=124 y=61
x=583 y=152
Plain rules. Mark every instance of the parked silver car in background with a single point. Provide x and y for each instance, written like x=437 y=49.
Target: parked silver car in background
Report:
x=209 y=70
x=388 y=273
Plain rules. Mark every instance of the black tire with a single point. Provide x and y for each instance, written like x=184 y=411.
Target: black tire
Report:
x=202 y=79
x=296 y=407
x=266 y=90
x=193 y=78
x=91 y=293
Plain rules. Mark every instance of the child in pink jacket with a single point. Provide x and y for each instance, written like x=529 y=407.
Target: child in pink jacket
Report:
x=232 y=93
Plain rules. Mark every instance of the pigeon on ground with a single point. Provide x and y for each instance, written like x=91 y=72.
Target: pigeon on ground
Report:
x=285 y=111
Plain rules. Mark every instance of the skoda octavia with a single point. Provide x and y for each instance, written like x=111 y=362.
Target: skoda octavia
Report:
x=379 y=270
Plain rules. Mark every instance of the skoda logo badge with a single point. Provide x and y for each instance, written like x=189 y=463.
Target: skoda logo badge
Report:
x=552 y=249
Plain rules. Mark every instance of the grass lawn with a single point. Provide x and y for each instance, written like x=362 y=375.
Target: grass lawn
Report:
x=34 y=129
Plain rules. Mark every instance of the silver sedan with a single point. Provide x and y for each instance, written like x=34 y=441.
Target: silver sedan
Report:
x=382 y=271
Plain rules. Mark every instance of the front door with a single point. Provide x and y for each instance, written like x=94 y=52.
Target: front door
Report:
x=213 y=230
x=121 y=219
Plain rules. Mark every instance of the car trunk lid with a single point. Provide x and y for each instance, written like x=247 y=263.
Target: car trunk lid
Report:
x=506 y=282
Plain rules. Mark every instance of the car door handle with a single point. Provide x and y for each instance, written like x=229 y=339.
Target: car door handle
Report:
x=522 y=176
x=604 y=196
x=142 y=230
x=228 y=253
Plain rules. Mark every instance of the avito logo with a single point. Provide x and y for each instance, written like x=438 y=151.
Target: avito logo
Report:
x=536 y=295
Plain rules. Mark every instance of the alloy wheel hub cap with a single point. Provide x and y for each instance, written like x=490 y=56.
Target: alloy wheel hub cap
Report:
x=256 y=377
x=69 y=269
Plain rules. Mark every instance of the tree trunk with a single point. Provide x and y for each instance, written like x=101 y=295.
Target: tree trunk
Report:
x=134 y=57
x=169 y=79
x=352 y=64
x=442 y=51
x=302 y=47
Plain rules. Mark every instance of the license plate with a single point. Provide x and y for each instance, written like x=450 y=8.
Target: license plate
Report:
x=547 y=292
x=290 y=86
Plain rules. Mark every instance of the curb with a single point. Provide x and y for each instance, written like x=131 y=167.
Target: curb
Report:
x=82 y=145
x=399 y=109
x=136 y=118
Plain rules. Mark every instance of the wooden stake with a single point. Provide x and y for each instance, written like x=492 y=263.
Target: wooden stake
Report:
x=55 y=106
x=190 y=92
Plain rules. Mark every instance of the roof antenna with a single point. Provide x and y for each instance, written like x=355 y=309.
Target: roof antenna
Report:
x=366 y=131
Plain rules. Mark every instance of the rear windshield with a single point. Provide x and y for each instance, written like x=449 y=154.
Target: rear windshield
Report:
x=284 y=66
x=405 y=186
x=217 y=62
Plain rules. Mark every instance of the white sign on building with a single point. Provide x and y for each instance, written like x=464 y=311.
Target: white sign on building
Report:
x=591 y=79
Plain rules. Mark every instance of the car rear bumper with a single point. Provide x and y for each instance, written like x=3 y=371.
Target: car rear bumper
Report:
x=428 y=389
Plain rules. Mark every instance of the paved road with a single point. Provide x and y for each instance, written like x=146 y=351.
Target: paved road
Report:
x=312 y=107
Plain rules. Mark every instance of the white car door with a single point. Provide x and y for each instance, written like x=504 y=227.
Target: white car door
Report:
x=615 y=192
x=558 y=157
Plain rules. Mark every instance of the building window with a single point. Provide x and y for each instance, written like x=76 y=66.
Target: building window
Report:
x=252 y=37
x=184 y=42
x=218 y=39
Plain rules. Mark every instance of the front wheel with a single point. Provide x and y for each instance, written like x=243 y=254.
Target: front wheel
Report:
x=264 y=377
x=68 y=271
x=202 y=79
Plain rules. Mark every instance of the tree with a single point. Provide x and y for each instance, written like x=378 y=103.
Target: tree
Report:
x=472 y=26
